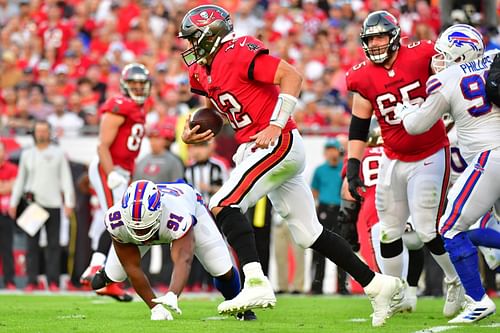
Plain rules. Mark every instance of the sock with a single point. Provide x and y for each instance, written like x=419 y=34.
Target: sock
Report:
x=392 y=257
x=464 y=256
x=438 y=252
x=252 y=269
x=104 y=242
x=484 y=237
x=415 y=266
x=228 y=288
x=98 y=259
x=239 y=234
x=339 y=251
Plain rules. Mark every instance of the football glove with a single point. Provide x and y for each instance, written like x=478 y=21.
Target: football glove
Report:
x=402 y=110
x=170 y=301
x=116 y=179
x=160 y=313
x=353 y=179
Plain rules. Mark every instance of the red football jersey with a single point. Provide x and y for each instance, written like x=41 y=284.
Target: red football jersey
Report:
x=229 y=83
x=384 y=88
x=125 y=148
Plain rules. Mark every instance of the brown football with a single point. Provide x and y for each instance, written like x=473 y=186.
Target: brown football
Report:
x=208 y=119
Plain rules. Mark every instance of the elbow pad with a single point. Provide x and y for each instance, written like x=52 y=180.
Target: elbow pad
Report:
x=283 y=110
x=359 y=128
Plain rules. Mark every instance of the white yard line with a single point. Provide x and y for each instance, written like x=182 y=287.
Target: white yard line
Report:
x=436 y=329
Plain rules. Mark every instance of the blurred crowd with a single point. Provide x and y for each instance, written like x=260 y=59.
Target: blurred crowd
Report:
x=61 y=59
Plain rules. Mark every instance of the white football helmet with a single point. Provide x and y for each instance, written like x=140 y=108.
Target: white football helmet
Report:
x=140 y=209
x=457 y=44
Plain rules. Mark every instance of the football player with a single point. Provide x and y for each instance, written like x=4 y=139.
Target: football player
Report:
x=166 y=213
x=120 y=137
x=360 y=223
x=257 y=93
x=458 y=87
x=414 y=171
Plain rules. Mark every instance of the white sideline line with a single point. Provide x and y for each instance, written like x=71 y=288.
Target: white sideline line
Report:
x=436 y=329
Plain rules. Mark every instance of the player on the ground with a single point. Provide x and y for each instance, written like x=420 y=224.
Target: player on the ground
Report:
x=458 y=87
x=257 y=93
x=414 y=171
x=120 y=137
x=166 y=213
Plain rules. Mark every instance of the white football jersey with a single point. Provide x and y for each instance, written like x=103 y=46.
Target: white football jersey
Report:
x=179 y=204
x=463 y=86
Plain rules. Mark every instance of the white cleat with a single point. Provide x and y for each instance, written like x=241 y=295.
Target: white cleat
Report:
x=385 y=293
x=409 y=303
x=256 y=293
x=454 y=297
x=474 y=311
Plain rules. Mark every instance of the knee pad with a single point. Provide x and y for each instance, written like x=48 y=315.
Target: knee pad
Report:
x=382 y=198
x=459 y=247
x=303 y=236
x=412 y=241
x=389 y=235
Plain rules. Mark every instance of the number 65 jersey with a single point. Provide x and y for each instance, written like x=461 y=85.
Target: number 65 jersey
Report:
x=404 y=81
x=182 y=206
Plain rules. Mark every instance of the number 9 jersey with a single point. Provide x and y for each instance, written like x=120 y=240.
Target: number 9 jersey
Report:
x=127 y=143
x=404 y=81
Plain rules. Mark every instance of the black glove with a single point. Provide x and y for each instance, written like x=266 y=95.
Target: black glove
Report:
x=347 y=218
x=353 y=180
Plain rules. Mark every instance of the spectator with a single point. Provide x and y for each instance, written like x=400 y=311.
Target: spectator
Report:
x=8 y=173
x=44 y=171
x=63 y=121
x=326 y=186
x=11 y=74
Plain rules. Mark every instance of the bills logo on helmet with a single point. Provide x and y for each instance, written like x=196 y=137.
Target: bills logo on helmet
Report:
x=205 y=18
x=460 y=39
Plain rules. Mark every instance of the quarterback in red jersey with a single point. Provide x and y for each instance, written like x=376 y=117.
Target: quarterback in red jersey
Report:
x=120 y=136
x=414 y=170
x=257 y=93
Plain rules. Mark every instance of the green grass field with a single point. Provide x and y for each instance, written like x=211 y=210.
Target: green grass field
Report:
x=47 y=313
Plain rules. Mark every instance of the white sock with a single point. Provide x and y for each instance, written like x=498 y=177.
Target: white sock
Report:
x=375 y=285
x=444 y=262
x=253 y=269
x=98 y=259
x=393 y=266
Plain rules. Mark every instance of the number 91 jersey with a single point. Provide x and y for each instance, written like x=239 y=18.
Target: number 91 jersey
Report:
x=404 y=81
x=180 y=204
x=127 y=143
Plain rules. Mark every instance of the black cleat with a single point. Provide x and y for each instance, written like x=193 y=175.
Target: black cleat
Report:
x=248 y=315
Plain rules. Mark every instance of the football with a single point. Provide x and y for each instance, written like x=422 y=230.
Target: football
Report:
x=208 y=119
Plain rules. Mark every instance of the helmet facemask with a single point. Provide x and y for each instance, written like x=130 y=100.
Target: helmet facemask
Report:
x=380 y=23
x=141 y=210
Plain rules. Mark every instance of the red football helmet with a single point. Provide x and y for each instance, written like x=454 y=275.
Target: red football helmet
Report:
x=135 y=82
x=205 y=27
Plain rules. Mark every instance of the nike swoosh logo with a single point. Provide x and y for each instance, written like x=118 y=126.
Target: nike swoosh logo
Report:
x=427 y=163
x=185 y=226
x=243 y=42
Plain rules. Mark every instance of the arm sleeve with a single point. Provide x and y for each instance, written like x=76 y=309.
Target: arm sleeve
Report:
x=424 y=117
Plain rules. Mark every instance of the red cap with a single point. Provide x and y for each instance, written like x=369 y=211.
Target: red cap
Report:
x=166 y=131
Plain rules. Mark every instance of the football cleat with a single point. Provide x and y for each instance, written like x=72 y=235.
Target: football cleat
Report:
x=454 y=297
x=248 y=315
x=474 y=311
x=256 y=293
x=409 y=303
x=385 y=293
x=114 y=290
x=88 y=275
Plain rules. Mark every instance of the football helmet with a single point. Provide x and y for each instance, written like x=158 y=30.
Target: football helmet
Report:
x=376 y=24
x=205 y=27
x=140 y=209
x=135 y=82
x=457 y=44
x=374 y=134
